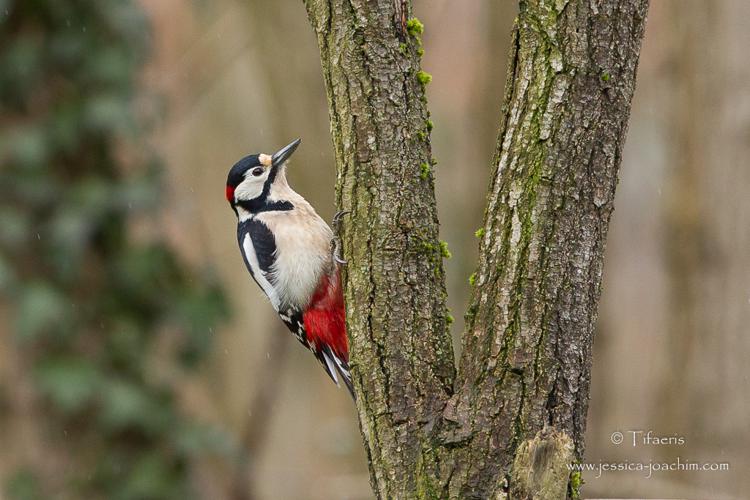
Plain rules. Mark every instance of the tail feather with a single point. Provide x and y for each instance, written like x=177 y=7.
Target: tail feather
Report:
x=334 y=363
x=346 y=376
x=329 y=364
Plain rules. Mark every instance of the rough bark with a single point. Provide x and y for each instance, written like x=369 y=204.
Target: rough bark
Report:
x=529 y=329
x=524 y=378
x=401 y=353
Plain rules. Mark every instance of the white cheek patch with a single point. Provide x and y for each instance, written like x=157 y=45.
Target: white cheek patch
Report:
x=258 y=274
x=250 y=188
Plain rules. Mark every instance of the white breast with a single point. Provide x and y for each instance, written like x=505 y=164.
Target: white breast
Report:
x=303 y=252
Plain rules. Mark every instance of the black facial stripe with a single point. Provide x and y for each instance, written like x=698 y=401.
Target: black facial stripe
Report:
x=261 y=204
x=267 y=185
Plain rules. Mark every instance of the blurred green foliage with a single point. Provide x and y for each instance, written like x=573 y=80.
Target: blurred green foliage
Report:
x=91 y=304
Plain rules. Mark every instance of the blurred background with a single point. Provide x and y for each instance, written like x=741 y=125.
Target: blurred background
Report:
x=138 y=360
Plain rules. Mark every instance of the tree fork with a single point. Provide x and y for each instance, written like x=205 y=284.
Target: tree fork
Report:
x=521 y=393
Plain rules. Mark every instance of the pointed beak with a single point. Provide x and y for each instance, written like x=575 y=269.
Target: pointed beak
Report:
x=283 y=154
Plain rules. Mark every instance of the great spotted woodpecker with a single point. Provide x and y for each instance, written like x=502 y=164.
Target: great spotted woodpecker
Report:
x=292 y=255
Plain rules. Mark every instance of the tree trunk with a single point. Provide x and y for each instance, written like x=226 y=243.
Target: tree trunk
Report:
x=514 y=416
x=401 y=353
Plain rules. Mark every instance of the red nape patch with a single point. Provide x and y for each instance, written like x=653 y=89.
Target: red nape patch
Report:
x=230 y=193
x=324 y=317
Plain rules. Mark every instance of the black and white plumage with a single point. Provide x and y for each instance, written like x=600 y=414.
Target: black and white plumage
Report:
x=289 y=252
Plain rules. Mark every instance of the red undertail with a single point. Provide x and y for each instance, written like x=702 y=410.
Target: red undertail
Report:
x=324 y=317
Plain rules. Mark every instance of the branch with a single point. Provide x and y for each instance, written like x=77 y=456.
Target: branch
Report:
x=527 y=345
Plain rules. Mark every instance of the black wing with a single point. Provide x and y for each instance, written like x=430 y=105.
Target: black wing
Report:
x=292 y=318
x=263 y=242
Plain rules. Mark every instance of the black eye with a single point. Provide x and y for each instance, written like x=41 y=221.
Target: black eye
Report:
x=257 y=171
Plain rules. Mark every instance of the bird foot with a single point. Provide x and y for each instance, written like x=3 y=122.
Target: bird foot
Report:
x=337 y=252
x=337 y=219
x=336 y=242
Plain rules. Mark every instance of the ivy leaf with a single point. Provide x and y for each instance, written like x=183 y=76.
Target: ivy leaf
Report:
x=195 y=439
x=151 y=477
x=23 y=485
x=14 y=227
x=27 y=146
x=42 y=309
x=197 y=312
x=107 y=113
x=7 y=276
x=128 y=405
x=69 y=382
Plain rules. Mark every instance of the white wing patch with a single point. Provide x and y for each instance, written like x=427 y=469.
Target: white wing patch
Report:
x=258 y=274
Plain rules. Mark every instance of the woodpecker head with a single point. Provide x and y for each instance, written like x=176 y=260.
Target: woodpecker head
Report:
x=250 y=180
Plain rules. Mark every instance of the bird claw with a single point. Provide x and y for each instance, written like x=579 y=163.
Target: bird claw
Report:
x=337 y=218
x=336 y=240
x=339 y=260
